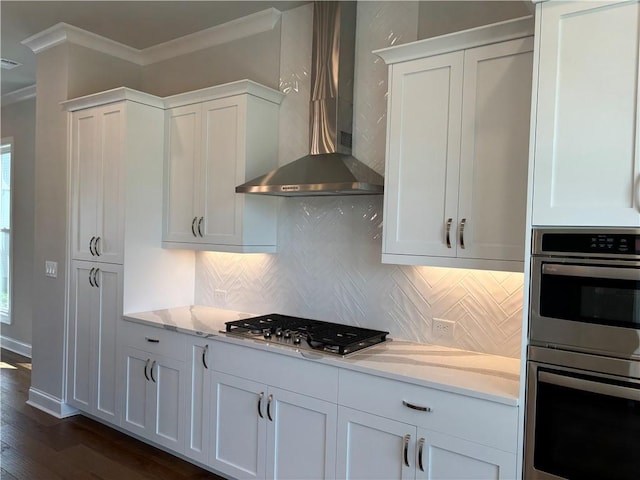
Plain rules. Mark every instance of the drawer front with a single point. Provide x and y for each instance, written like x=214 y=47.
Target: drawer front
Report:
x=473 y=419
x=299 y=375
x=154 y=340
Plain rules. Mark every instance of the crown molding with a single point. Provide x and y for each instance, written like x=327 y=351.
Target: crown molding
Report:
x=225 y=90
x=64 y=33
x=19 y=95
x=60 y=33
x=253 y=24
x=111 y=96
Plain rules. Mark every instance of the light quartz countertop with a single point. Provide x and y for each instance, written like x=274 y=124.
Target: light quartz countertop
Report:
x=478 y=375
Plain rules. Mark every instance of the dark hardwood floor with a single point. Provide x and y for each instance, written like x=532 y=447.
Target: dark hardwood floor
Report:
x=37 y=446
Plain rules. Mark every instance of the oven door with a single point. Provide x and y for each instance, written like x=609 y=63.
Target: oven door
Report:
x=586 y=305
x=581 y=425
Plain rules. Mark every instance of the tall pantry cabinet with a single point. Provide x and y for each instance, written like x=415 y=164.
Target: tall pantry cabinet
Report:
x=116 y=264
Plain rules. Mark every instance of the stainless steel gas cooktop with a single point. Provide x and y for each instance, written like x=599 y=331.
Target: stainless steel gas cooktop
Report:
x=306 y=334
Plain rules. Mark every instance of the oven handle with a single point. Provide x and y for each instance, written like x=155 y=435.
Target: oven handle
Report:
x=593 y=272
x=590 y=386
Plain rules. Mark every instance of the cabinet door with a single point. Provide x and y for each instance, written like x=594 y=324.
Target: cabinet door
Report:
x=85 y=181
x=421 y=187
x=239 y=426
x=443 y=457
x=82 y=300
x=168 y=405
x=301 y=436
x=372 y=447
x=495 y=150
x=109 y=244
x=107 y=279
x=223 y=136
x=95 y=308
x=182 y=174
x=97 y=163
x=138 y=395
x=587 y=151
x=198 y=402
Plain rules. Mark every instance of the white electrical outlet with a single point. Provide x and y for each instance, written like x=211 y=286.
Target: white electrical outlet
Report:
x=220 y=296
x=51 y=269
x=443 y=329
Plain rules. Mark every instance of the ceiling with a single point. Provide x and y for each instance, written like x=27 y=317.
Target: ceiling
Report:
x=138 y=24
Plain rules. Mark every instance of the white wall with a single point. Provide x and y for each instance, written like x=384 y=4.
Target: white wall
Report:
x=328 y=264
x=19 y=122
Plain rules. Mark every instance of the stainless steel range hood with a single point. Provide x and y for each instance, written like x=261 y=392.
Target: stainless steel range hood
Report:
x=329 y=169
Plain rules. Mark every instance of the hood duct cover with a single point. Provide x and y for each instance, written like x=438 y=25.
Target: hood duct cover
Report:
x=329 y=169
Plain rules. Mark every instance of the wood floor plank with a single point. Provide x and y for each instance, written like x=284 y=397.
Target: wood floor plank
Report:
x=38 y=446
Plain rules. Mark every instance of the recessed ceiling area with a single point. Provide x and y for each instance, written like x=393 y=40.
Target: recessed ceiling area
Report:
x=138 y=24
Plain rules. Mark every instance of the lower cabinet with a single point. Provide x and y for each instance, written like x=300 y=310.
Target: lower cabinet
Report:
x=260 y=431
x=373 y=447
x=95 y=305
x=198 y=387
x=154 y=398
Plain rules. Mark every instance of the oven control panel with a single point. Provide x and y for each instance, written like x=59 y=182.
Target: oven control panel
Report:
x=615 y=243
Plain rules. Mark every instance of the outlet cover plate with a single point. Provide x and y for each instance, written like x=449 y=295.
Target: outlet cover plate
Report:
x=443 y=329
x=51 y=269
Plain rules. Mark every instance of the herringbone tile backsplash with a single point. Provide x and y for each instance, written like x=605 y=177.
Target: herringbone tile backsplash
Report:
x=328 y=261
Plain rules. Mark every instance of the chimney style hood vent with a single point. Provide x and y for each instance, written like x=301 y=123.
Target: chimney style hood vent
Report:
x=329 y=169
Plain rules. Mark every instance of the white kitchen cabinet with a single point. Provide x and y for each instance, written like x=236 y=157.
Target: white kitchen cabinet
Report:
x=457 y=150
x=153 y=373
x=372 y=447
x=97 y=172
x=587 y=121
x=395 y=430
x=218 y=138
x=95 y=306
x=273 y=416
x=198 y=387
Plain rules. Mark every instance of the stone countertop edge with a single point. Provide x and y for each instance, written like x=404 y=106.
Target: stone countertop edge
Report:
x=478 y=375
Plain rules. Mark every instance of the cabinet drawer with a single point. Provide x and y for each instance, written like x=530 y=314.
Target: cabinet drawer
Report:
x=294 y=374
x=477 y=420
x=154 y=340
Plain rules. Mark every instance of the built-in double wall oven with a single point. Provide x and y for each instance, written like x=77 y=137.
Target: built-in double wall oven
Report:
x=583 y=367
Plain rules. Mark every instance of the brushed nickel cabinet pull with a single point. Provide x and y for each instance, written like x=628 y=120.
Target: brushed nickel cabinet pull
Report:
x=152 y=340
x=416 y=407
x=96 y=247
x=269 y=407
x=449 y=221
x=405 y=450
x=204 y=356
x=146 y=365
x=260 y=397
x=193 y=226
x=91 y=277
x=200 y=226
x=420 y=451
x=153 y=365
x=462 y=224
x=95 y=278
x=91 y=246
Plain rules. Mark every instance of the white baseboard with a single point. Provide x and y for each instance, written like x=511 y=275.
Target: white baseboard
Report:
x=15 y=346
x=50 y=404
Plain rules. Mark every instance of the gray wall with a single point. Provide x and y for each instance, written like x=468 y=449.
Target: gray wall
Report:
x=19 y=122
x=439 y=18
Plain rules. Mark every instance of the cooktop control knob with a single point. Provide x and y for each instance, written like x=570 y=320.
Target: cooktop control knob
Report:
x=287 y=335
x=279 y=332
x=296 y=341
x=267 y=334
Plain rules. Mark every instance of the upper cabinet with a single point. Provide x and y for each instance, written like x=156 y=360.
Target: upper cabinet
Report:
x=457 y=149
x=587 y=146
x=218 y=138
x=97 y=164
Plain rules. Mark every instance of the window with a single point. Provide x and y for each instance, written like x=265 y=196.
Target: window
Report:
x=6 y=150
